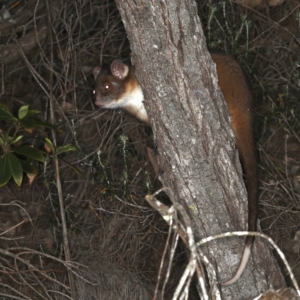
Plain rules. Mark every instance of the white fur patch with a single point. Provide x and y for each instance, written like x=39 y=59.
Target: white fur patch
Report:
x=133 y=102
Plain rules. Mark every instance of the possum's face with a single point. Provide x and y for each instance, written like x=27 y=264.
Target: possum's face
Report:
x=110 y=84
x=118 y=87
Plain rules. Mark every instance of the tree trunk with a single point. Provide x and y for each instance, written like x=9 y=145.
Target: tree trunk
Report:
x=192 y=130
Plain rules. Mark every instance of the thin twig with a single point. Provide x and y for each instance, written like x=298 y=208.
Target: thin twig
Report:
x=57 y=171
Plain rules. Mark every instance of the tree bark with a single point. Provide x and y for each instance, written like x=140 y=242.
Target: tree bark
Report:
x=191 y=126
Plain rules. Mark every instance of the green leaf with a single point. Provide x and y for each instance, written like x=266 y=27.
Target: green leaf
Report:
x=65 y=148
x=28 y=167
x=6 y=115
x=31 y=113
x=16 y=139
x=30 y=152
x=28 y=123
x=1 y=142
x=49 y=143
x=72 y=167
x=15 y=168
x=4 y=107
x=47 y=125
x=5 y=173
x=23 y=111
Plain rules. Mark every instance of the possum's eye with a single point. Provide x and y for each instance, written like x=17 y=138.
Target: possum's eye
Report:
x=94 y=92
x=106 y=86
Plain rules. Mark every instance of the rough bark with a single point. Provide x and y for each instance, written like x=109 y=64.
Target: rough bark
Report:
x=192 y=129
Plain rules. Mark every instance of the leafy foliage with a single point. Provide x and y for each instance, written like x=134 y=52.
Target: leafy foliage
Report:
x=15 y=158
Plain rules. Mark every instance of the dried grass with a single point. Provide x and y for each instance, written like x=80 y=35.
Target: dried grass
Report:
x=116 y=240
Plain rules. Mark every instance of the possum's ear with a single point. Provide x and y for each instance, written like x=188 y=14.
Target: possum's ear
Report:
x=118 y=69
x=96 y=72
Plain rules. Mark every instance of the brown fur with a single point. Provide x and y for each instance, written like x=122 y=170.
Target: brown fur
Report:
x=130 y=84
x=238 y=96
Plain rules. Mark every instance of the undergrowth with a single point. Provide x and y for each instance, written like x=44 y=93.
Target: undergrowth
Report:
x=116 y=239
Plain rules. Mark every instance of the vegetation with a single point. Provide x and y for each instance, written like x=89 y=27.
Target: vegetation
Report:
x=116 y=240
